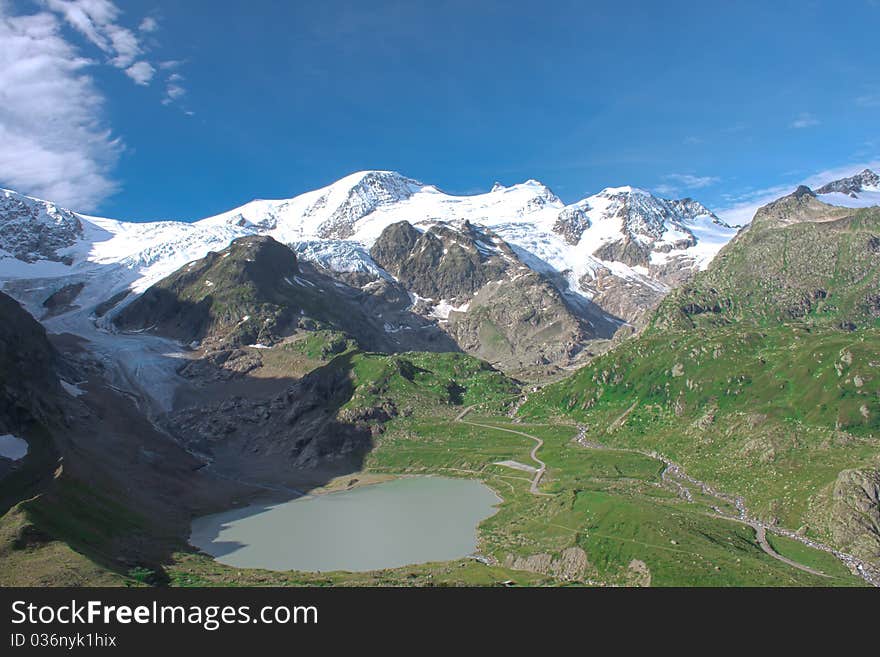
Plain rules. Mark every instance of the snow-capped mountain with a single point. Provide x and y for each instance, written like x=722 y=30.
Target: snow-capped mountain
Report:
x=624 y=230
x=859 y=191
x=611 y=255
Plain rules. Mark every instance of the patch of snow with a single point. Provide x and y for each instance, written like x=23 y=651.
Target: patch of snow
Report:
x=442 y=309
x=72 y=389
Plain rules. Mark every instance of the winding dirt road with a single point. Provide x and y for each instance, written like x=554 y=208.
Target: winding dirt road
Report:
x=675 y=474
x=533 y=489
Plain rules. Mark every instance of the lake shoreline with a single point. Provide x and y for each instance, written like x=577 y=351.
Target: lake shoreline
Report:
x=372 y=521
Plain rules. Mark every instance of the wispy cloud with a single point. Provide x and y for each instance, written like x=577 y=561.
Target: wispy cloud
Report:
x=742 y=207
x=804 y=120
x=55 y=141
x=674 y=183
x=174 y=89
x=52 y=141
x=869 y=100
x=148 y=25
x=97 y=20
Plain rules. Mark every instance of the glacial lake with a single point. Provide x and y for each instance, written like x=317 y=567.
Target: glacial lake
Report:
x=12 y=447
x=396 y=523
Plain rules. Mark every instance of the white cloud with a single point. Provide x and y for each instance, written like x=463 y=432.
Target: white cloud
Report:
x=677 y=182
x=148 y=25
x=805 y=120
x=53 y=143
x=689 y=181
x=174 y=89
x=141 y=72
x=743 y=207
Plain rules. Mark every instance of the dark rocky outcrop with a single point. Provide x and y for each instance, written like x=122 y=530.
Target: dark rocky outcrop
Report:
x=441 y=262
x=855 y=513
x=256 y=292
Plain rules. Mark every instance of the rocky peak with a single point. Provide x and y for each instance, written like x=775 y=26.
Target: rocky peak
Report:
x=572 y=221
x=799 y=206
x=689 y=210
x=851 y=186
x=32 y=230
x=444 y=262
x=643 y=217
x=358 y=195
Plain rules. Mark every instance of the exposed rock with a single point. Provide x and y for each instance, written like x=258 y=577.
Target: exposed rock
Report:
x=442 y=263
x=853 y=185
x=571 y=223
x=33 y=230
x=520 y=323
x=638 y=573
x=626 y=298
x=61 y=300
x=570 y=565
x=855 y=513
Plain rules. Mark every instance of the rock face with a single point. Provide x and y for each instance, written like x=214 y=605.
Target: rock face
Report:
x=255 y=292
x=27 y=366
x=570 y=565
x=375 y=189
x=33 y=230
x=299 y=429
x=853 y=185
x=62 y=300
x=443 y=262
x=855 y=513
x=627 y=298
x=520 y=323
x=571 y=223
x=487 y=299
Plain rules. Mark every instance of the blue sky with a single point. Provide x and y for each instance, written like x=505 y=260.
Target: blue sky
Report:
x=147 y=110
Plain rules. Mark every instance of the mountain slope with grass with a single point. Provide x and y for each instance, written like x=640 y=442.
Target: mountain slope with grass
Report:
x=761 y=376
x=799 y=260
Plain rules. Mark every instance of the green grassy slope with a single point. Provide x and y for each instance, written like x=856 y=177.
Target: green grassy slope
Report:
x=762 y=375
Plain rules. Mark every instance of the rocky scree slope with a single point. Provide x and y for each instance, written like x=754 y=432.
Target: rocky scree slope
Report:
x=485 y=297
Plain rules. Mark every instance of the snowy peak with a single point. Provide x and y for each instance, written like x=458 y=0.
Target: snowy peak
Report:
x=867 y=180
x=356 y=196
x=32 y=229
x=624 y=231
x=646 y=218
x=331 y=212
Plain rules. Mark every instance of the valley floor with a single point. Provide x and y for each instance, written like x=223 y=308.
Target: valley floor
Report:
x=597 y=516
